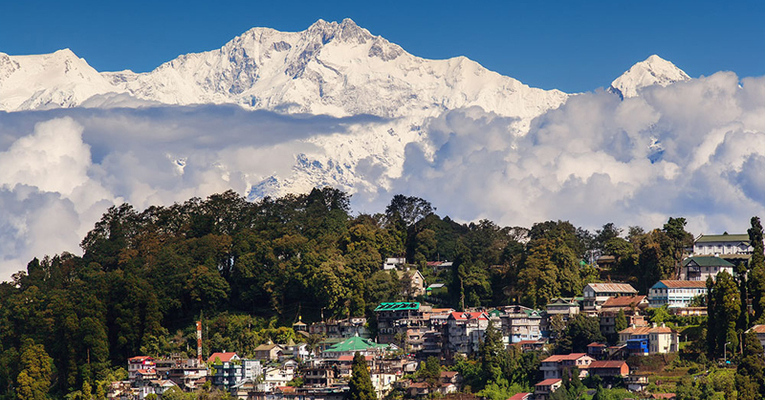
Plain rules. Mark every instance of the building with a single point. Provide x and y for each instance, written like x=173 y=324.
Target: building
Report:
x=269 y=352
x=720 y=245
x=397 y=317
x=552 y=367
x=145 y=364
x=609 y=369
x=595 y=294
x=699 y=268
x=563 y=306
x=465 y=330
x=543 y=389
x=521 y=323
x=342 y=329
x=650 y=340
x=636 y=383
x=228 y=369
x=393 y=263
x=416 y=283
x=521 y=396
x=675 y=293
x=351 y=346
x=631 y=306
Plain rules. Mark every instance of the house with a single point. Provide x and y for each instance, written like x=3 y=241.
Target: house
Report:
x=597 y=351
x=322 y=376
x=227 y=369
x=276 y=376
x=531 y=345
x=342 y=329
x=393 y=263
x=356 y=344
x=552 y=367
x=676 y=293
x=520 y=396
x=759 y=330
x=521 y=323
x=396 y=317
x=465 y=330
x=699 y=268
x=543 y=389
x=566 y=307
x=725 y=244
x=631 y=306
x=663 y=340
x=595 y=294
x=636 y=383
x=144 y=363
x=415 y=281
x=609 y=369
x=269 y=352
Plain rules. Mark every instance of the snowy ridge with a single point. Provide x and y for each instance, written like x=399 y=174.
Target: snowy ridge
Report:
x=652 y=71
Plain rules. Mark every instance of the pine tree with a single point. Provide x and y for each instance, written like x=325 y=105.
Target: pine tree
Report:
x=361 y=383
x=620 y=323
x=493 y=356
x=34 y=379
x=757 y=269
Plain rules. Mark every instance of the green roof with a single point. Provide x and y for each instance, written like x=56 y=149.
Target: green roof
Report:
x=723 y=238
x=354 y=343
x=398 y=306
x=707 y=261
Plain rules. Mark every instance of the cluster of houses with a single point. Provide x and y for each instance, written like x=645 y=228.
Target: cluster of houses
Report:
x=409 y=331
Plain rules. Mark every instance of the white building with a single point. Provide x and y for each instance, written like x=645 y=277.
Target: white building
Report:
x=699 y=268
x=465 y=330
x=675 y=293
x=394 y=262
x=717 y=245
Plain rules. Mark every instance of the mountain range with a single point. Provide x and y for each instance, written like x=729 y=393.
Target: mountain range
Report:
x=336 y=69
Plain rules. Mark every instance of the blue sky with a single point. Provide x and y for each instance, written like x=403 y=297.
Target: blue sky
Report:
x=569 y=45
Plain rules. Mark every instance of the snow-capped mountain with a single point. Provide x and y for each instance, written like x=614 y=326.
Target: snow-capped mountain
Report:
x=652 y=71
x=338 y=69
x=60 y=79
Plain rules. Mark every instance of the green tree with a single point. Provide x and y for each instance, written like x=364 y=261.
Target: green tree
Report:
x=361 y=383
x=620 y=323
x=749 y=373
x=34 y=379
x=430 y=372
x=581 y=331
x=493 y=357
x=757 y=270
x=724 y=306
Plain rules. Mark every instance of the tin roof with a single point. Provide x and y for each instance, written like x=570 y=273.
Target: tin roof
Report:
x=398 y=306
x=676 y=284
x=612 y=287
x=737 y=237
x=707 y=261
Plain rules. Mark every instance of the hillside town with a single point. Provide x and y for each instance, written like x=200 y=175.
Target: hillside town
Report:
x=406 y=335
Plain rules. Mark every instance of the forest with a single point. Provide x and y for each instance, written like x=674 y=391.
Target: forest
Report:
x=247 y=269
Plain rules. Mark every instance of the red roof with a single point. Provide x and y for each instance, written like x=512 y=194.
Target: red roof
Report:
x=146 y=372
x=596 y=344
x=520 y=396
x=567 y=357
x=623 y=301
x=140 y=358
x=350 y=358
x=758 y=329
x=684 y=284
x=469 y=315
x=607 y=364
x=548 y=382
x=449 y=374
x=224 y=357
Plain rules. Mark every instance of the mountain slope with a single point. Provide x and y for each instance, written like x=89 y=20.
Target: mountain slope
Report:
x=652 y=71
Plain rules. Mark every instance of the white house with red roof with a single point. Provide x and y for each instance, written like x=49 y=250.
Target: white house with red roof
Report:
x=465 y=330
x=144 y=364
x=543 y=389
x=552 y=367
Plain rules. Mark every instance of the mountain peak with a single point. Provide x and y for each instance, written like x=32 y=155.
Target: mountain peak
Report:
x=654 y=70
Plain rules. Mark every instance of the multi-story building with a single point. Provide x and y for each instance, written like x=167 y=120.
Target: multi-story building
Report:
x=675 y=293
x=631 y=306
x=465 y=330
x=341 y=329
x=699 y=268
x=542 y=390
x=228 y=369
x=566 y=307
x=398 y=317
x=595 y=294
x=609 y=369
x=521 y=323
x=650 y=340
x=725 y=244
x=552 y=367
x=145 y=364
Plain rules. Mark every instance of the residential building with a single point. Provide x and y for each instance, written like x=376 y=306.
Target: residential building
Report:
x=543 y=389
x=725 y=244
x=416 y=282
x=631 y=306
x=552 y=367
x=521 y=396
x=609 y=369
x=140 y=363
x=597 y=351
x=465 y=330
x=395 y=318
x=699 y=268
x=393 y=263
x=277 y=376
x=663 y=340
x=759 y=330
x=521 y=323
x=356 y=344
x=229 y=369
x=675 y=293
x=636 y=383
x=595 y=294
x=566 y=307
x=269 y=352
x=342 y=329
x=323 y=375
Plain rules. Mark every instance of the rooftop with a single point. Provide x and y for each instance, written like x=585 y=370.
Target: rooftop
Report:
x=707 y=261
x=758 y=329
x=613 y=287
x=354 y=343
x=737 y=237
x=623 y=301
x=398 y=306
x=223 y=357
x=675 y=284
x=607 y=364
x=548 y=382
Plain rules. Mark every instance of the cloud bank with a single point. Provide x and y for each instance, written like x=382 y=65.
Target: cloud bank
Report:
x=694 y=149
